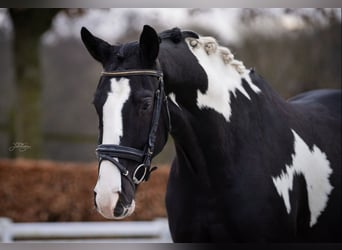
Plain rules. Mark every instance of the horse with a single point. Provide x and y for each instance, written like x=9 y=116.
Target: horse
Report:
x=249 y=165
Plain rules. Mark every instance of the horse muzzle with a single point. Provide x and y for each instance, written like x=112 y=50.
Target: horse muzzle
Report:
x=112 y=207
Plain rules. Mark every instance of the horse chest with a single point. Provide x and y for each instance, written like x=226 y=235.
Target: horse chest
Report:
x=193 y=211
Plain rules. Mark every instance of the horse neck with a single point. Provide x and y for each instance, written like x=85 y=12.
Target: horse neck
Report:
x=215 y=137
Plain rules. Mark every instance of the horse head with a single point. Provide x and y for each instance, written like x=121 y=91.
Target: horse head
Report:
x=133 y=118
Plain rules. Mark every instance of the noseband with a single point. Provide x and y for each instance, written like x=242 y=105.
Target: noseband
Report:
x=143 y=157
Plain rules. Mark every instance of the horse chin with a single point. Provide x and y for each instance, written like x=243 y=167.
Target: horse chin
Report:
x=115 y=208
x=121 y=211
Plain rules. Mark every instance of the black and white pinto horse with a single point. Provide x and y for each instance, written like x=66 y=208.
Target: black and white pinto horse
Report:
x=249 y=165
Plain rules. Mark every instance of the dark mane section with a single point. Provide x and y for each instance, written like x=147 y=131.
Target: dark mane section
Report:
x=176 y=35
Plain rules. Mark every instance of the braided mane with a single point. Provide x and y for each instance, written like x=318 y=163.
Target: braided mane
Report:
x=211 y=46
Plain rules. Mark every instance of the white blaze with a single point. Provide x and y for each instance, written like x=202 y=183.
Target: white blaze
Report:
x=108 y=184
x=315 y=168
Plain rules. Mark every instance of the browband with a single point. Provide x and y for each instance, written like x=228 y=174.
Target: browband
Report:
x=134 y=72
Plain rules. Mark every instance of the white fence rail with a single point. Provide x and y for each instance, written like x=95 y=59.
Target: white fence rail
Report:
x=114 y=231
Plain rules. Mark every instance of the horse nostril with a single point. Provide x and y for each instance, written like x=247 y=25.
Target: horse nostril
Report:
x=95 y=200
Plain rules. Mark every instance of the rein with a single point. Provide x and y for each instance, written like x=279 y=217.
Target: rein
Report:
x=142 y=157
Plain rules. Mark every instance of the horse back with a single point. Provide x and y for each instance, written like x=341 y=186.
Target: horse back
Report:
x=329 y=98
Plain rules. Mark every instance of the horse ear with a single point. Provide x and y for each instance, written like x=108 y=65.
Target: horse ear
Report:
x=98 y=48
x=149 y=45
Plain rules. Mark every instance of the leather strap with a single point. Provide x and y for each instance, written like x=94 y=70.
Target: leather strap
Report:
x=121 y=152
x=134 y=72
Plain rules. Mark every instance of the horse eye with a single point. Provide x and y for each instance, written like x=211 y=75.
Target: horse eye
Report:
x=146 y=104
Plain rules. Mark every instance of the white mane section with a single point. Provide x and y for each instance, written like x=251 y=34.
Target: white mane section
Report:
x=211 y=46
x=224 y=73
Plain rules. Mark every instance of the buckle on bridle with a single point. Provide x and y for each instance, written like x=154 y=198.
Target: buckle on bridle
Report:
x=136 y=178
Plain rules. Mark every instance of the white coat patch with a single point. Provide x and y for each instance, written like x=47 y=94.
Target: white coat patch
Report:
x=109 y=180
x=172 y=97
x=315 y=168
x=224 y=74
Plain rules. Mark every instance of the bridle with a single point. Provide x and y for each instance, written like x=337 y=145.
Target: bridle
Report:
x=112 y=152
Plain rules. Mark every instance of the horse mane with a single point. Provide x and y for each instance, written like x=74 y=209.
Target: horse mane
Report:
x=175 y=35
x=211 y=46
x=208 y=43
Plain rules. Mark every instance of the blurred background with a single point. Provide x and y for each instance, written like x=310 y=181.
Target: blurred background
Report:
x=48 y=78
x=47 y=81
